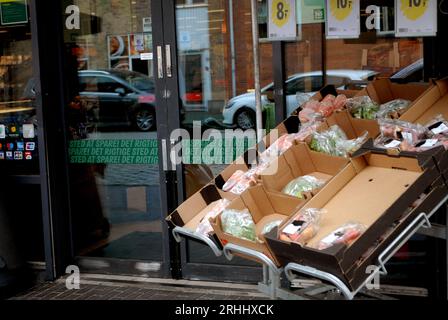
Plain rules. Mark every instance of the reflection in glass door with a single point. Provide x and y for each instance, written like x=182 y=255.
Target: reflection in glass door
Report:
x=215 y=74
x=114 y=166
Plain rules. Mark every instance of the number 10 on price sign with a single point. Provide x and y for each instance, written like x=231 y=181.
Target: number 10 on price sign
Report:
x=282 y=20
x=416 y=18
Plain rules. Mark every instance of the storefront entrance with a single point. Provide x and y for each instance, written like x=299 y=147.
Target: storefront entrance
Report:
x=131 y=84
x=118 y=77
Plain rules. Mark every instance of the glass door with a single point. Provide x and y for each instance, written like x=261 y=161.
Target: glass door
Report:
x=216 y=83
x=113 y=117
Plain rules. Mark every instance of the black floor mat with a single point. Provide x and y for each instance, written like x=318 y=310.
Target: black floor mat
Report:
x=145 y=246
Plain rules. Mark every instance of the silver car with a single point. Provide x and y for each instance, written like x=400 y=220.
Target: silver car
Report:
x=240 y=111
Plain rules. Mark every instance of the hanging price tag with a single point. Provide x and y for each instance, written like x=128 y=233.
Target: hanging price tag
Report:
x=416 y=18
x=282 y=19
x=343 y=19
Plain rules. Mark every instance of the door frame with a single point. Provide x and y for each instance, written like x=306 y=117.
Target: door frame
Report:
x=51 y=69
x=192 y=271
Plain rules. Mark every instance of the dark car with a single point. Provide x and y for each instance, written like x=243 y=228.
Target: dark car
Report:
x=119 y=98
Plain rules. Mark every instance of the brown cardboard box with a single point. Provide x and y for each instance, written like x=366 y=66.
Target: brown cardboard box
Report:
x=265 y=207
x=429 y=105
x=353 y=127
x=299 y=161
x=290 y=125
x=382 y=90
x=374 y=190
x=358 y=272
x=190 y=213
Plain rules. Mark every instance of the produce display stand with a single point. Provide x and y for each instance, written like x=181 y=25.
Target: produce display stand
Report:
x=331 y=285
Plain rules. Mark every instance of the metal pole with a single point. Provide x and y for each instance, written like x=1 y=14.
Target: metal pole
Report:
x=256 y=53
x=232 y=47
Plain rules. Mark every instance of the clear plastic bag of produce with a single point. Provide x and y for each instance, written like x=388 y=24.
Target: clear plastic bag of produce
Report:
x=240 y=181
x=346 y=235
x=393 y=109
x=233 y=180
x=298 y=186
x=309 y=115
x=438 y=126
x=313 y=110
x=363 y=107
x=270 y=226
x=401 y=130
x=334 y=142
x=204 y=227
x=303 y=228
x=239 y=224
x=307 y=130
x=278 y=147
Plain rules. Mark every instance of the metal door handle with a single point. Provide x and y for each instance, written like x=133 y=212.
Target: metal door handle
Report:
x=169 y=68
x=160 y=62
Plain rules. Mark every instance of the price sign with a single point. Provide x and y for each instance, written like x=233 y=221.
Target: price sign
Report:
x=282 y=19
x=416 y=18
x=343 y=19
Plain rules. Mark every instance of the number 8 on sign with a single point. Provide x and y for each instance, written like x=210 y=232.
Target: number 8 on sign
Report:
x=414 y=9
x=341 y=9
x=281 y=12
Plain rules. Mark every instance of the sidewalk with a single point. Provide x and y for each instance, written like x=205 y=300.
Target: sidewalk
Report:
x=101 y=289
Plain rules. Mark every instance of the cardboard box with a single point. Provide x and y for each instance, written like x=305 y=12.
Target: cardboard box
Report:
x=265 y=207
x=382 y=90
x=299 y=161
x=439 y=155
x=190 y=213
x=353 y=127
x=358 y=273
x=290 y=125
x=374 y=190
x=432 y=103
x=243 y=163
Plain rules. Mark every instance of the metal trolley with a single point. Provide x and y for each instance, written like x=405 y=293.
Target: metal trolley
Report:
x=330 y=284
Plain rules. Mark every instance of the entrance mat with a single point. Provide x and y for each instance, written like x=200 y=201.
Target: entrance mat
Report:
x=145 y=246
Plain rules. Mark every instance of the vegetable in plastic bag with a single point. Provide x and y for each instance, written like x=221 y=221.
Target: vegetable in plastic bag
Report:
x=239 y=224
x=303 y=228
x=393 y=109
x=346 y=234
x=298 y=186
x=402 y=130
x=363 y=107
x=204 y=227
x=270 y=226
x=307 y=130
x=278 y=147
x=335 y=143
x=438 y=126
x=316 y=111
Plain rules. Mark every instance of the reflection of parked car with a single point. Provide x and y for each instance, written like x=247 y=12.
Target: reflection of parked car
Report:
x=118 y=97
x=299 y=87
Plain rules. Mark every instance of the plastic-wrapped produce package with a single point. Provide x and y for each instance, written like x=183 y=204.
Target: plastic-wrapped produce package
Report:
x=393 y=109
x=303 y=228
x=301 y=185
x=239 y=224
x=363 y=107
x=346 y=234
x=334 y=142
x=204 y=227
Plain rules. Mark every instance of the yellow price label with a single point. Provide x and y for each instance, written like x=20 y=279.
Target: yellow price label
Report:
x=341 y=9
x=281 y=12
x=414 y=9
